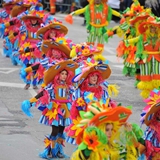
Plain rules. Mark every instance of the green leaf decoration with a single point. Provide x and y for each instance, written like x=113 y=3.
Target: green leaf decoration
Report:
x=88 y=115
x=82 y=146
x=82 y=114
x=129 y=107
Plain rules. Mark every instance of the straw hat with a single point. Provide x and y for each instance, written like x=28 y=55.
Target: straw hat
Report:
x=68 y=65
x=33 y=14
x=4 y=4
x=49 y=44
x=55 y=25
x=152 y=21
x=139 y=17
x=17 y=9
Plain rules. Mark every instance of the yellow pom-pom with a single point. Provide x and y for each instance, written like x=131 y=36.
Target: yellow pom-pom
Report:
x=113 y=89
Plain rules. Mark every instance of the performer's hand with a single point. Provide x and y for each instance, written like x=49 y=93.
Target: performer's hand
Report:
x=128 y=126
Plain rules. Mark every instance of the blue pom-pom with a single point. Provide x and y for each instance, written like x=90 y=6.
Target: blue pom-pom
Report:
x=2 y=29
x=23 y=73
x=26 y=105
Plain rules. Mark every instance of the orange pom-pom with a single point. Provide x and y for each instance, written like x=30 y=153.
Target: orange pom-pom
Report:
x=122 y=20
x=69 y=19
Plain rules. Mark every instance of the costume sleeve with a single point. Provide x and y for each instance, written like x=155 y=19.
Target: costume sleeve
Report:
x=115 y=13
x=79 y=11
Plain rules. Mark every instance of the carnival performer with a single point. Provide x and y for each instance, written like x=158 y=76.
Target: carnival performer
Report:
x=150 y=117
x=55 y=102
x=148 y=55
x=11 y=42
x=29 y=40
x=91 y=85
x=6 y=11
x=50 y=35
x=129 y=27
x=128 y=50
x=98 y=15
x=123 y=138
x=52 y=52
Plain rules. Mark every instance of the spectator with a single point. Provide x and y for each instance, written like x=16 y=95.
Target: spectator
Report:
x=115 y=5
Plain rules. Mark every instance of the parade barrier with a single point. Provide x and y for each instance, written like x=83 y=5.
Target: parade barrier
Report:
x=69 y=4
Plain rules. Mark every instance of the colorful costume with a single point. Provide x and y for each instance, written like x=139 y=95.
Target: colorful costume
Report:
x=97 y=18
x=148 y=55
x=86 y=92
x=92 y=144
x=55 y=102
x=151 y=117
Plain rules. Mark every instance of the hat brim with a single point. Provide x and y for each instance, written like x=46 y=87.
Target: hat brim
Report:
x=60 y=27
x=30 y=17
x=138 y=18
x=150 y=114
x=48 y=44
x=6 y=4
x=119 y=114
x=143 y=26
x=68 y=65
x=104 y=73
x=18 y=8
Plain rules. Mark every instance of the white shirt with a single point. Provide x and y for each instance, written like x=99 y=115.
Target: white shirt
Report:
x=114 y=3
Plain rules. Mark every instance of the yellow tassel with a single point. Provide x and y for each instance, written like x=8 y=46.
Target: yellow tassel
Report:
x=73 y=53
x=99 y=57
x=113 y=89
x=145 y=93
x=28 y=69
x=32 y=100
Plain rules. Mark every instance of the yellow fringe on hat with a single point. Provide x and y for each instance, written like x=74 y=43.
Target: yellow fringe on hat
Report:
x=113 y=89
x=145 y=85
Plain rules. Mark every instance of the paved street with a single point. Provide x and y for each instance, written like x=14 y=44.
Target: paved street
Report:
x=22 y=137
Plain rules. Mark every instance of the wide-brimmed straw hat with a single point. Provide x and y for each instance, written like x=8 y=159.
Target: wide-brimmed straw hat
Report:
x=33 y=14
x=54 y=25
x=19 y=7
x=68 y=65
x=50 y=44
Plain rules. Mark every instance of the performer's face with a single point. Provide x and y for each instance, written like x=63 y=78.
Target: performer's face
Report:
x=34 y=21
x=93 y=79
x=63 y=75
x=52 y=34
x=153 y=29
x=97 y=1
x=56 y=54
x=109 y=130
